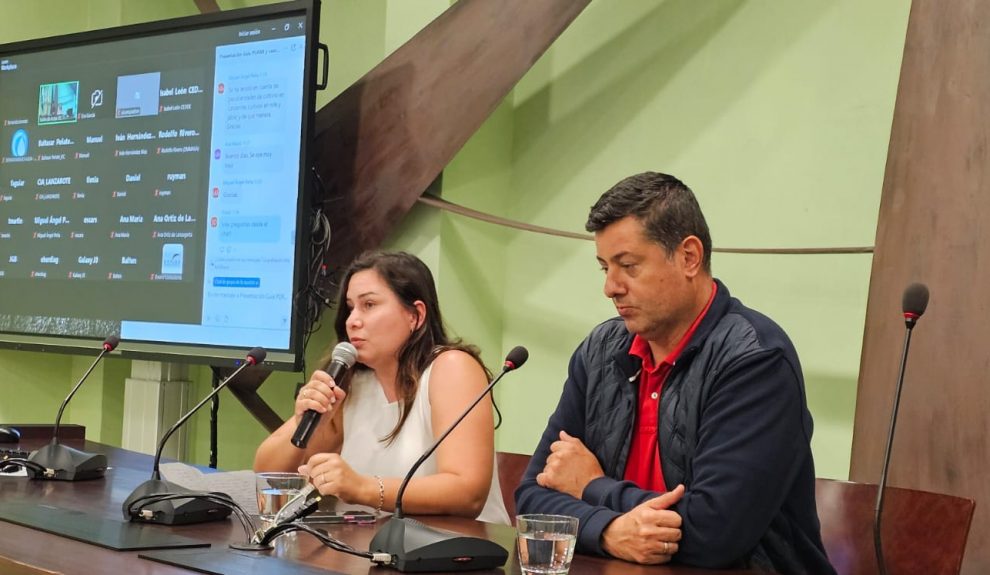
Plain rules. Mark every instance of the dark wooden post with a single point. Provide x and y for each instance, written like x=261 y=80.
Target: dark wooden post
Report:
x=934 y=227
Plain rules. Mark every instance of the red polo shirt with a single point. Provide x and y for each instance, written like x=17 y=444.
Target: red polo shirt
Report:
x=643 y=466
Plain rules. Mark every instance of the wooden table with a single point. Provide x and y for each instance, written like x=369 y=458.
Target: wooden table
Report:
x=104 y=497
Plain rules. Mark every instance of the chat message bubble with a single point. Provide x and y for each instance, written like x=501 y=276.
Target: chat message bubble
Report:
x=249 y=229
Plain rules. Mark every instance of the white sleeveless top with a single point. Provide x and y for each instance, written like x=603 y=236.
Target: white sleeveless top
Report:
x=368 y=417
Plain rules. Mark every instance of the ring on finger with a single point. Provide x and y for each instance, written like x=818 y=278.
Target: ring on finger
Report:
x=666 y=548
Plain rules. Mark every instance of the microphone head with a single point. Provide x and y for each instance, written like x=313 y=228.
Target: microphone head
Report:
x=915 y=302
x=516 y=358
x=256 y=355
x=111 y=343
x=345 y=353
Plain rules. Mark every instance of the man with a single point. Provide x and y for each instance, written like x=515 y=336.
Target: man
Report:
x=683 y=431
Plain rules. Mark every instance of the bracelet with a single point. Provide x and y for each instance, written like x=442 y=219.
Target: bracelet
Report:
x=381 y=495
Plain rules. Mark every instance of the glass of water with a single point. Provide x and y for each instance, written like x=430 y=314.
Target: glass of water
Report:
x=275 y=489
x=545 y=543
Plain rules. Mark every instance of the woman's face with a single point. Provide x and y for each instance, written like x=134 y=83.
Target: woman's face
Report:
x=378 y=324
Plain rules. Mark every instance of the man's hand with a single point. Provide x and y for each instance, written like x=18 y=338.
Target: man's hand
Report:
x=648 y=533
x=570 y=467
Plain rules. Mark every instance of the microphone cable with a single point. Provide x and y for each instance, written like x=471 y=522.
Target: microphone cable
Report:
x=326 y=539
x=36 y=468
x=291 y=523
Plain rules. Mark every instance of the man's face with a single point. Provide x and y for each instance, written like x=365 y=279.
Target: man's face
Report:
x=651 y=291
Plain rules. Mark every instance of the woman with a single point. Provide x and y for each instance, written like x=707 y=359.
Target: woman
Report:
x=409 y=384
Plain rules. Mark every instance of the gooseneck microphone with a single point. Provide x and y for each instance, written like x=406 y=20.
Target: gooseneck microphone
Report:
x=343 y=358
x=415 y=547
x=143 y=503
x=914 y=303
x=64 y=463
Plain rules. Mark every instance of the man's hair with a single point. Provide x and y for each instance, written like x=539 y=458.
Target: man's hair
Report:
x=665 y=206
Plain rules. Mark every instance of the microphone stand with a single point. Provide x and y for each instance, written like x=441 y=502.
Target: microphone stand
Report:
x=415 y=547
x=154 y=506
x=915 y=301
x=886 y=456
x=61 y=462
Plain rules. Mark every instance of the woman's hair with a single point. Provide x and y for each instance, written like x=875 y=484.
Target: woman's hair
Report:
x=409 y=278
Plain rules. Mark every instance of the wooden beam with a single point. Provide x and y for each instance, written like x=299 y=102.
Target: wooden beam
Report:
x=382 y=141
x=934 y=227
x=207 y=6
x=245 y=389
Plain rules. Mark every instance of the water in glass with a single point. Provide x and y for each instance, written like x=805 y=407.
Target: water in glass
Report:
x=542 y=553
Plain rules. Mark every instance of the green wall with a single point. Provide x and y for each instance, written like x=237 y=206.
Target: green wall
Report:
x=776 y=113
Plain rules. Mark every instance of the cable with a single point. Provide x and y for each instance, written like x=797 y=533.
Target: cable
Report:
x=36 y=468
x=498 y=411
x=311 y=299
x=327 y=540
x=291 y=523
x=442 y=204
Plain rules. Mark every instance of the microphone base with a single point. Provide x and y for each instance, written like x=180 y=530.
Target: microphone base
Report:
x=415 y=547
x=68 y=464
x=173 y=511
x=250 y=547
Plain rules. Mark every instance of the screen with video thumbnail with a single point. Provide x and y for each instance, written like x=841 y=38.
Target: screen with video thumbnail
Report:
x=154 y=185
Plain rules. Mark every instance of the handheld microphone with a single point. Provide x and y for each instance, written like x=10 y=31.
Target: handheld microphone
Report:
x=181 y=511
x=65 y=463
x=343 y=358
x=913 y=304
x=415 y=547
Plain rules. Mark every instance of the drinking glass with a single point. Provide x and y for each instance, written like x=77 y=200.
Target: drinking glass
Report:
x=275 y=489
x=545 y=543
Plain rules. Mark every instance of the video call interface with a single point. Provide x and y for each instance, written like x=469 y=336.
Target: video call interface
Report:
x=151 y=184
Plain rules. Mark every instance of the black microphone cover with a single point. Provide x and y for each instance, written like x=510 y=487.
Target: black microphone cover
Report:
x=516 y=358
x=111 y=343
x=915 y=299
x=256 y=355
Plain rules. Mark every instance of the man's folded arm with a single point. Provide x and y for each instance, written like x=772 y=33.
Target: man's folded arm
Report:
x=616 y=494
x=533 y=498
x=747 y=458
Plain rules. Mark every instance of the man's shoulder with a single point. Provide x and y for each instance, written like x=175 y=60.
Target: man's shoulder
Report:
x=746 y=329
x=611 y=332
x=607 y=339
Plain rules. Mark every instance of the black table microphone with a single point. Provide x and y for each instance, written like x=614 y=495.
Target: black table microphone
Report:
x=62 y=462
x=343 y=358
x=415 y=547
x=913 y=305
x=181 y=511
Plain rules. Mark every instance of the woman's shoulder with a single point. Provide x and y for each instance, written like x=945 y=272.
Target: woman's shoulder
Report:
x=452 y=365
x=455 y=360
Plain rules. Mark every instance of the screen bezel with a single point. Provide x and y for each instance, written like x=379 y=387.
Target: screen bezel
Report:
x=221 y=356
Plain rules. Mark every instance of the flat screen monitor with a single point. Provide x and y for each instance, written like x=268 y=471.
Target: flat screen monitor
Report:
x=154 y=184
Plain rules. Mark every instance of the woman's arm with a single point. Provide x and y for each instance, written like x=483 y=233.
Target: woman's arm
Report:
x=276 y=452
x=464 y=460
